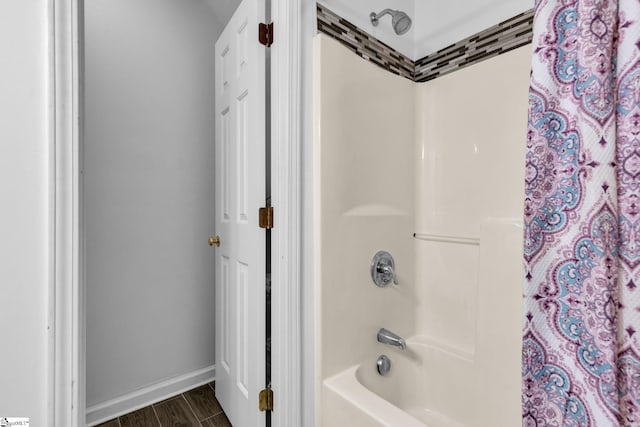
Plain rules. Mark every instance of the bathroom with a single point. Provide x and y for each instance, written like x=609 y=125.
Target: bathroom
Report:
x=393 y=154
x=385 y=187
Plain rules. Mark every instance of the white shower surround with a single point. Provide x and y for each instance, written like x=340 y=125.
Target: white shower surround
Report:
x=436 y=23
x=443 y=159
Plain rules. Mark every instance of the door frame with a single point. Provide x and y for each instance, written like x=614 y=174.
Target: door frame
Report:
x=66 y=309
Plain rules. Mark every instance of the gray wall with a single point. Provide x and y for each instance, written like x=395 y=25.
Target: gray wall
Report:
x=25 y=195
x=149 y=159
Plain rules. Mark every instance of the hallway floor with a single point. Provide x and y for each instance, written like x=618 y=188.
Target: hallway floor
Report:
x=194 y=408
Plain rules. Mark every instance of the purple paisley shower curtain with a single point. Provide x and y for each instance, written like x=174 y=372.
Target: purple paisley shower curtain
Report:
x=581 y=343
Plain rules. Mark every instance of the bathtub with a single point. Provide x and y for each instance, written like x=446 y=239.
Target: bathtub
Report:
x=429 y=385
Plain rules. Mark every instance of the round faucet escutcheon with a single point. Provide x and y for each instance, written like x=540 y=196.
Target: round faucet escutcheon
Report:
x=383 y=269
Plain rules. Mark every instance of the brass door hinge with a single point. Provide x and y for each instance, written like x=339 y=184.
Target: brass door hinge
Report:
x=265 y=219
x=265 y=400
x=265 y=34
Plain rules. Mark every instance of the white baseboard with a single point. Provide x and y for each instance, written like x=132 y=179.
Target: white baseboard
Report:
x=113 y=408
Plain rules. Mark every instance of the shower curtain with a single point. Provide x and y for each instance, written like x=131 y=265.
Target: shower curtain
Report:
x=581 y=342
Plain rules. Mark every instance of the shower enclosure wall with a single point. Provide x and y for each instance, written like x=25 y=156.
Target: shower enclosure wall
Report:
x=432 y=173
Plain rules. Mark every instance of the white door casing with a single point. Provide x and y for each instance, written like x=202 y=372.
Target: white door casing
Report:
x=240 y=192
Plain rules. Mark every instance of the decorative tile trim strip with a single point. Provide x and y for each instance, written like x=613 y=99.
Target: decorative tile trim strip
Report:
x=364 y=45
x=501 y=38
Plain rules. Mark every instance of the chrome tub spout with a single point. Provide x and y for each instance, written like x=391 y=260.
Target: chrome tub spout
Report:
x=387 y=337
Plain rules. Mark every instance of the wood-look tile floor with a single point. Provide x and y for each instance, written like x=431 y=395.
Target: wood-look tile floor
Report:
x=194 y=408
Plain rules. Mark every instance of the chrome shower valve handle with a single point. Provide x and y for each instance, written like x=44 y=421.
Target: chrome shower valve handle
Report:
x=383 y=269
x=387 y=273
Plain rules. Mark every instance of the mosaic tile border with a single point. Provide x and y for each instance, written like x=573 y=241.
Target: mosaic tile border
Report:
x=501 y=38
x=496 y=40
x=363 y=44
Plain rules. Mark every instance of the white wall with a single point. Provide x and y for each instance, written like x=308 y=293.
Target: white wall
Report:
x=149 y=167
x=25 y=195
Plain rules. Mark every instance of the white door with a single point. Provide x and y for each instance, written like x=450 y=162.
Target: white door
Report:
x=240 y=192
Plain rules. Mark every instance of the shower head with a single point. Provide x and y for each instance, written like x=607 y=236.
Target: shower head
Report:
x=399 y=20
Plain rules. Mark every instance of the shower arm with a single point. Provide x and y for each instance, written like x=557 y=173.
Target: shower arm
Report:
x=376 y=16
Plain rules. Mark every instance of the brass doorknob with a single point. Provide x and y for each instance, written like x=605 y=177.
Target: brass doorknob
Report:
x=214 y=241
